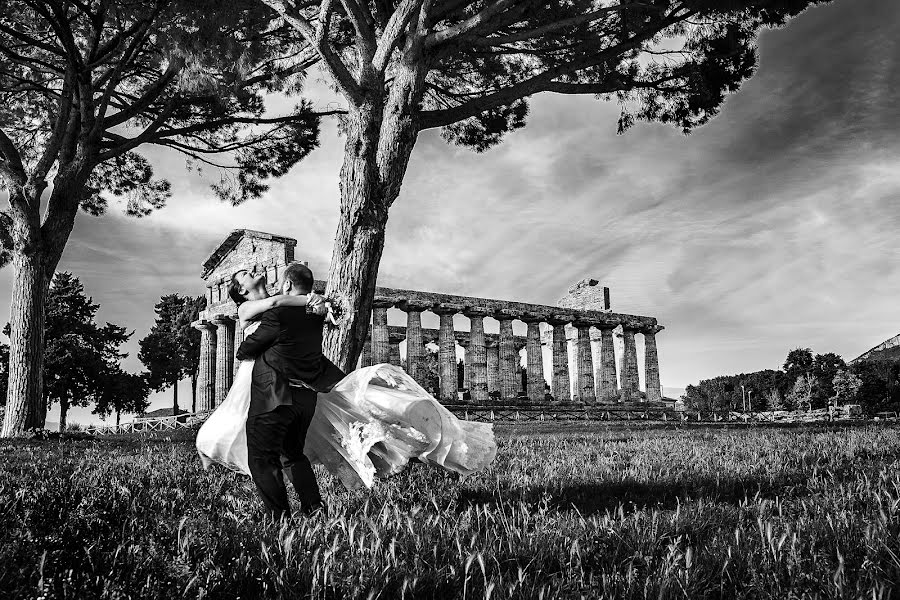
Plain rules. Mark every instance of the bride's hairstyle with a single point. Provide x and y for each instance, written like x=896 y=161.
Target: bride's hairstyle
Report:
x=234 y=290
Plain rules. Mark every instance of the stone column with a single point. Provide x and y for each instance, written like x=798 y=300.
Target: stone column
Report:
x=467 y=363
x=509 y=387
x=415 y=344
x=447 y=352
x=493 y=366
x=478 y=380
x=366 y=359
x=394 y=354
x=608 y=386
x=629 y=366
x=206 y=372
x=561 y=385
x=651 y=364
x=522 y=384
x=224 y=356
x=572 y=351
x=596 y=350
x=620 y=362
x=585 y=363
x=535 y=359
x=381 y=351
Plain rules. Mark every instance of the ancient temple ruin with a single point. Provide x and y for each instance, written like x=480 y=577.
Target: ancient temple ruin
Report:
x=586 y=365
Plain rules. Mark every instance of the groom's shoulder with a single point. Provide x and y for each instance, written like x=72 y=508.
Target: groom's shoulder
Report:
x=289 y=312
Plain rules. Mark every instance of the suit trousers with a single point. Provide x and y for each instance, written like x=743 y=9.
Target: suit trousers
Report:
x=282 y=433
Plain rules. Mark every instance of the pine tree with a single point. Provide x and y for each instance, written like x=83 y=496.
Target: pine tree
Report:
x=171 y=351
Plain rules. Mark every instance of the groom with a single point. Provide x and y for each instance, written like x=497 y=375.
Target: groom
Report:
x=289 y=370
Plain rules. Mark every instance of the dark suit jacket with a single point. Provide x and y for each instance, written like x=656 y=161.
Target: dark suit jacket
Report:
x=287 y=347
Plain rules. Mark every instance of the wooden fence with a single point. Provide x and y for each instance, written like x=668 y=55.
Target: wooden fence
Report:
x=182 y=421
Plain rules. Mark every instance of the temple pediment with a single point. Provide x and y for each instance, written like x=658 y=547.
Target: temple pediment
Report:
x=250 y=247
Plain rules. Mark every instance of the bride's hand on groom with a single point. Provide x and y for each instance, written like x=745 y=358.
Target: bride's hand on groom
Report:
x=316 y=304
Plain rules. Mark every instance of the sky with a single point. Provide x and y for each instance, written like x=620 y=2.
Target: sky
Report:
x=772 y=227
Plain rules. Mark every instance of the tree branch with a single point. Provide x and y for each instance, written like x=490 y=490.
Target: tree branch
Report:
x=364 y=34
x=391 y=34
x=535 y=84
x=326 y=10
x=11 y=167
x=144 y=136
x=476 y=20
x=147 y=98
x=557 y=25
x=165 y=136
x=308 y=57
x=54 y=143
x=335 y=66
x=32 y=41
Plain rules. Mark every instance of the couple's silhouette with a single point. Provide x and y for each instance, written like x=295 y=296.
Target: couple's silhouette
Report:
x=289 y=406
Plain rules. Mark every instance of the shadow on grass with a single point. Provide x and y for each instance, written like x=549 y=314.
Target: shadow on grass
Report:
x=598 y=498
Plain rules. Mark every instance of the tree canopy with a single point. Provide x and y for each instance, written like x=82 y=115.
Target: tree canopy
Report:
x=671 y=61
x=171 y=350
x=122 y=392
x=808 y=380
x=84 y=85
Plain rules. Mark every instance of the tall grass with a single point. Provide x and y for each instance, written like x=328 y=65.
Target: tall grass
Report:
x=581 y=513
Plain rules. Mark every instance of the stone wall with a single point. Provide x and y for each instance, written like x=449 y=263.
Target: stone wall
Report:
x=241 y=250
x=587 y=294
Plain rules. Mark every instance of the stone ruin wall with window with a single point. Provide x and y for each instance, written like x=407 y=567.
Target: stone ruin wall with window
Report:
x=594 y=354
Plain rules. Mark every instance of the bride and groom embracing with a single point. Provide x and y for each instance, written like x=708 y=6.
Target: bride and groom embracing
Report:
x=290 y=407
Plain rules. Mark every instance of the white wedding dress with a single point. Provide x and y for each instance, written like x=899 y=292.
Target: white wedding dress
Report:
x=370 y=424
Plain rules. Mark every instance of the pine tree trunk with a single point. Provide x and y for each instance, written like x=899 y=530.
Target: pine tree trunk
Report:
x=194 y=393
x=37 y=249
x=118 y=416
x=175 y=398
x=381 y=136
x=63 y=412
x=26 y=349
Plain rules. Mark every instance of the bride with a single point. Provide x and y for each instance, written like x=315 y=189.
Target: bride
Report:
x=370 y=424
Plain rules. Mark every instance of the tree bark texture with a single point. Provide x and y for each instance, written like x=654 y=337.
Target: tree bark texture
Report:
x=26 y=345
x=36 y=252
x=381 y=134
x=63 y=413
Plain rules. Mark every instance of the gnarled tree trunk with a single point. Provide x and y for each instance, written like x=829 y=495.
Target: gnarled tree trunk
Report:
x=381 y=135
x=36 y=252
x=26 y=345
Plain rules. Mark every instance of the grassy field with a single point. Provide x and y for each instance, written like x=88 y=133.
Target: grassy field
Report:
x=566 y=511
